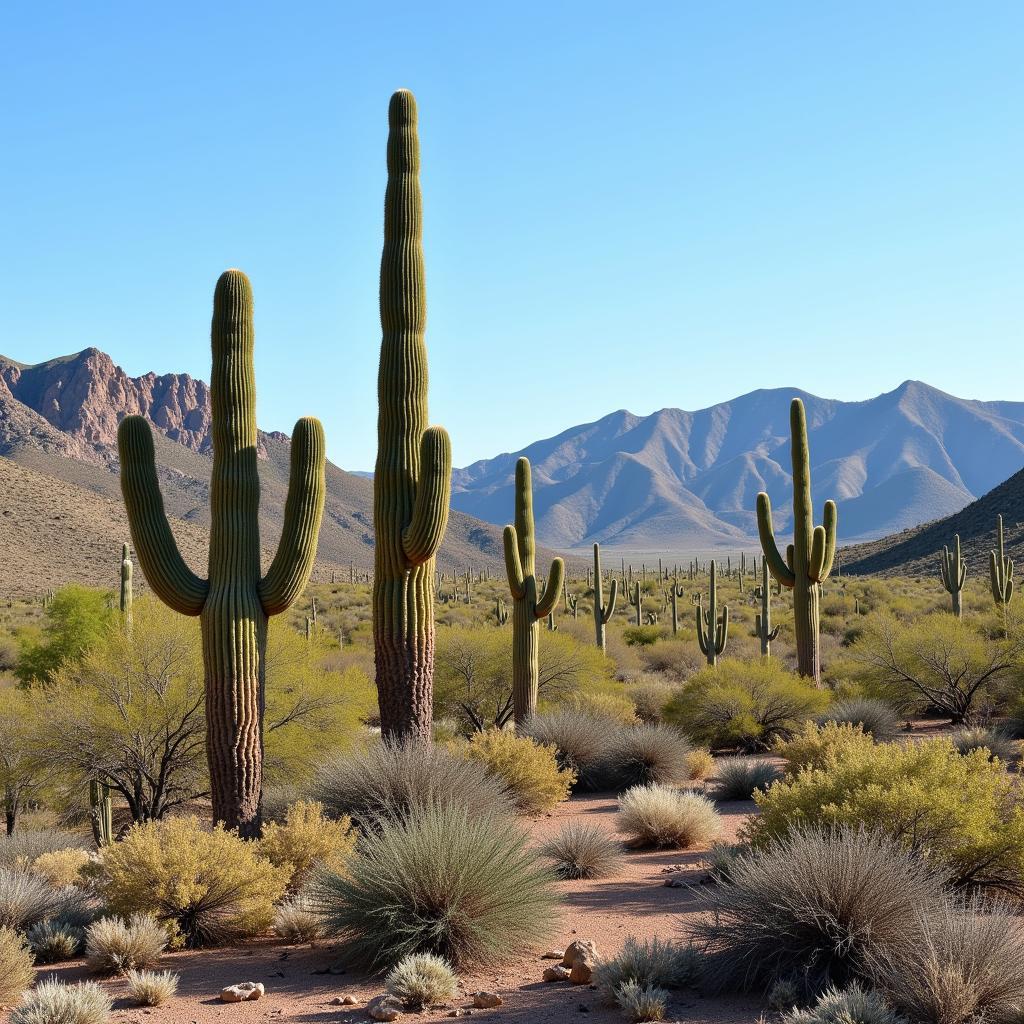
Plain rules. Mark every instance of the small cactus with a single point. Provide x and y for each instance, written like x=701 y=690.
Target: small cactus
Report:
x=636 y=600
x=126 y=586
x=101 y=813
x=712 y=631
x=763 y=620
x=1000 y=571
x=602 y=612
x=953 y=571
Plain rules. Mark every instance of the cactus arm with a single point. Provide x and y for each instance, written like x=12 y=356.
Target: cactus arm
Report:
x=304 y=508
x=514 y=564
x=816 y=559
x=423 y=536
x=171 y=579
x=994 y=574
x=782 y=572
x=829 y=521
x=701 y=636
x=613 y=596
x=944 y=568
x=551 y=589
x=723 y=634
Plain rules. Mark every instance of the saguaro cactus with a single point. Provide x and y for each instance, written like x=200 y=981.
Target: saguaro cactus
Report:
x=602 y=612
x=636 y=600
x=412 y=479
x=500 y=612
x=234 y=602
x=763 y=620
x=527 y=607
x=712 y=631
x=676 y=592
x=953 y=570
x=101 y=813
x=1000 y=571
x=808 y=559
x=126 y=586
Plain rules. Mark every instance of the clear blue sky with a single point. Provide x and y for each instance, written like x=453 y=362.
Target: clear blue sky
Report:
x=626 y=205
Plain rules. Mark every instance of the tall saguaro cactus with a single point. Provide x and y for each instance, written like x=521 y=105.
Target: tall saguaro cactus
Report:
x=1000 y=571
x=412 y=479
x=809 y=558
x=126 y=586
x=763 y=620
x=235 y=601
x=953 y=571
x=712 y=631
x=676 y=592
x=602 y=612
x=528 y=606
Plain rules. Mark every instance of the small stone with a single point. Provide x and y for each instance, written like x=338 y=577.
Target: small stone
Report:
x=576 y=948
x=553 y=954
x=486 y=1000
x=581 y=959
x=558 y=973
x=242 y=993
x=344 y=1001
x=674 y=883
x=384 y=1008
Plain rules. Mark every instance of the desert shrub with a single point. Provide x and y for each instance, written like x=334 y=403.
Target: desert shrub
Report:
x=116 y=946
x=445 y=880
x=699 y=764
x=649 y=697
x=809 y=906
x=658 y=816
x=151 y=988
x=875 y=717
x=736 y=778
x=648 y=962
x=967 y=964
x=645 y=753
x=642 y=1002
x=55 y=940
x=674 y=660
x=744 y=704
x=53 y=1002
x=583 y=850
x=26 y=898
x=277 y=800
x=957 y=811
x=785 y=994
x=580 y=741
x=16 y=971
x=27 y=845
x=391 y=779
x=61 y=867
x=813 y=744
x=997 y=743
x=305 y=841
x=853 y=1005
x=298 y=920
x=528 y=769
x=721 y=857
x=422 y=980
x=642 y=636
x=603 y=704
x=208 y=886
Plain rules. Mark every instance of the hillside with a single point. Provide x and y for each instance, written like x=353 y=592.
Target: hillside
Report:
x=915 y=551
x=61 y=510
x=676 y=481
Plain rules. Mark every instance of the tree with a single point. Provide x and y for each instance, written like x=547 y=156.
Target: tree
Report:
x=23 y=769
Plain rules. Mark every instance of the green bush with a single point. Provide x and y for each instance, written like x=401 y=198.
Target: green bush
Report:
x=649 y=963
x=306 y=841
x=810 y=747
x=744 y=704
x=641 y=1002
x=151 y=988
x=55 y=940
x=443 y=879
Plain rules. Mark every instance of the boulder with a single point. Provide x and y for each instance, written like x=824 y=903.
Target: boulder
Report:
x=243 y=992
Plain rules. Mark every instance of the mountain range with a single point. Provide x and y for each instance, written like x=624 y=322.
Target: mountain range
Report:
x=675 y=481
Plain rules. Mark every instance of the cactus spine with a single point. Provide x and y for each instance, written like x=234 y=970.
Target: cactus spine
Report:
x=712 y=631
x=1000 y=571
x=101 y=813
x=234 y=602
x=763 y=621
x=953 y=570
x=126 y=586
x=809 y=558
x=412 y=478
x=527 y=607
x=602 y=612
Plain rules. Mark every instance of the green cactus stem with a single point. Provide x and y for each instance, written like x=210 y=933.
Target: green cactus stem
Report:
x=552 y=627
x=412 y=477
x=636 y=600
x=763 y=620
x=574 y=604
x=809 y=558
x=602 y=612
x=1000 y=572
x=528 y=607
x=953 y=572
x=101 y=813
x=234 y=602
x=500 y=612
x=126 y=586
x=675 y=592
x=712 y=631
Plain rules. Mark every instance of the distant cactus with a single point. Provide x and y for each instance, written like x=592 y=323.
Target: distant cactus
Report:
x=574 y=604
x=1000 y=571
x=126 y=586
x=528 y=608
x=234 y=603
x=953 y=571
x=636 y=600
x=712 y=631
x=676 y=592
x=500 y=612
x=552 y=627
x=602 y=612
x=809 y=558
x=763 y=620
x=101 y=813
x=412 y=478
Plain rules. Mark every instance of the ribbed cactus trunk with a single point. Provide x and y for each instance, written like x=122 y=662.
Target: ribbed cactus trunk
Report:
x=126 y=587
x=602 y=612
x=412 y=479
x=234 y=602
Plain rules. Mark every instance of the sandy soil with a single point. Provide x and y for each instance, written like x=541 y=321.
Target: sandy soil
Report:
x=301 y=980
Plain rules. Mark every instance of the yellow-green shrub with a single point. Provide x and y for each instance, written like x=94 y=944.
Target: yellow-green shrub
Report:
x=16 y=971
x=699 y=763
x=813 y=743
x=61 y=867
x=526 y=767
x=307 y=840
x=614 y=706
x=209 y=886
x=958 y=811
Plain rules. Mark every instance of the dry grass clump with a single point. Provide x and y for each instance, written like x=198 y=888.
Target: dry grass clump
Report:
x=854 y=1005
x=62 y=867
x=646 y=753
x=27 y=898
x=650 y=963
x=642 y=1002
x=298 y=920
x=422 y=980
x=736 y=778
x=55 y=940
x=649 y=696
x=874 y=717
x=27 y=845
x=116 y=946
x=580 y=740
x=995 y=741
x=16 y=971
x=390 y=779
x=583 y=850
x=151 y=988
x=659 y=816
x=700 y=764
x=53 y=1002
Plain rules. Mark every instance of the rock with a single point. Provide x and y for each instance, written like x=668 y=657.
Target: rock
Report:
x=243 y=992
x=344 y=1001
x=384 y=1008
x=577 y=947
x=486 y=1000
x=558 y=973
x=581 y=959
x=553 y=954
x=674 y=883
